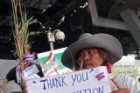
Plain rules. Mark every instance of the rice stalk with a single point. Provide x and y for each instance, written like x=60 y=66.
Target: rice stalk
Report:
x=20 y=32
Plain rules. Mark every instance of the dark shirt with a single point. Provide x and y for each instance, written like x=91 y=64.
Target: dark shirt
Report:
x=11 y=75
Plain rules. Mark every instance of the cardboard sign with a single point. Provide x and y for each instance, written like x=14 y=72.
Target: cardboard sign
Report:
x=94 y=80
x=125 y=66
x=50 y=62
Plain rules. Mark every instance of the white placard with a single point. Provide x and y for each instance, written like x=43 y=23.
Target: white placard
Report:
x=29 y=71
x=94 y=80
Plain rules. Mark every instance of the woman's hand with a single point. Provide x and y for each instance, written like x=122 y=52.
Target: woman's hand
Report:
x=122 y=90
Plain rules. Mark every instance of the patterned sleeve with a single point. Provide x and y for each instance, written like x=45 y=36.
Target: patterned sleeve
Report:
x=125 y=81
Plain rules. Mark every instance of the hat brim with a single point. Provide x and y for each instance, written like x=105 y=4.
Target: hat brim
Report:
x=104 y=41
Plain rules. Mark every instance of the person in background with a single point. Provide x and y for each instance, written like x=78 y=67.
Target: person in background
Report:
x=93 y=51
x=15 y=73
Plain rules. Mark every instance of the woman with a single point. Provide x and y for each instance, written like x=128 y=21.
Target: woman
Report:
x=93 y=51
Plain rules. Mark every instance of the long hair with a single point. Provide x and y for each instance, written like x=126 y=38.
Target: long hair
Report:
x=107 y=60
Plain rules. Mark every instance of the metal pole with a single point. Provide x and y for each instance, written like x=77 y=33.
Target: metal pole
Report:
x=51 y=45
x=51 y=39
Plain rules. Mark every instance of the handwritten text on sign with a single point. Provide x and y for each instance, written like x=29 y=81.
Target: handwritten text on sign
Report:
x=86 y=81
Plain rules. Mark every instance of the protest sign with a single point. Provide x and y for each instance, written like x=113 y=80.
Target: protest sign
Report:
x=50 y=62
x=30 y=72
x=125 y=66
x=93 y=80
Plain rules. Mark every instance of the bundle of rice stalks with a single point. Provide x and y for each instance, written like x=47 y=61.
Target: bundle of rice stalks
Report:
x=20 y=31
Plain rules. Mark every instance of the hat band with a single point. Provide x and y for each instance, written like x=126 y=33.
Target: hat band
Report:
x=28 y=57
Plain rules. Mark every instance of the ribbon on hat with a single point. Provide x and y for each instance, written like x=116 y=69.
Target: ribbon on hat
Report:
x=28 y=57
x=22 y=66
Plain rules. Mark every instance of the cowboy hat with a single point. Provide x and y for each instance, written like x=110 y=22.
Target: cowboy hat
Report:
x=104 y=41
